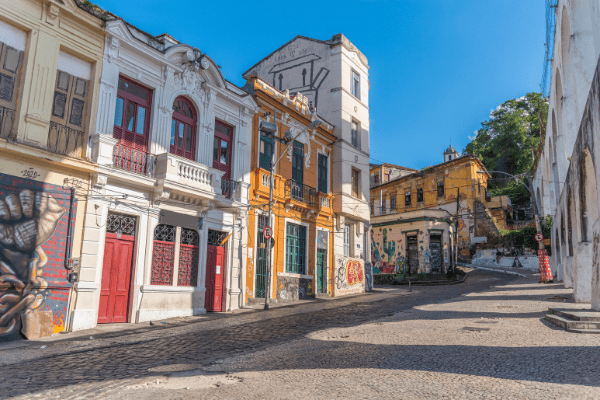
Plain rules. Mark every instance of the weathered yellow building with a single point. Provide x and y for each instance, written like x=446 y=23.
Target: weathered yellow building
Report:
x=303 y=223
x=50 y=61
x=414 y=216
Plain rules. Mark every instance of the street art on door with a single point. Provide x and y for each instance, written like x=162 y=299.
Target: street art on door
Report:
x=34 y=222
x=386 y=250
x=349 y=276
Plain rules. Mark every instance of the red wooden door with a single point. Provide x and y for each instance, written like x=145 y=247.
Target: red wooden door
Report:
x=116 y=275
x=215 y=262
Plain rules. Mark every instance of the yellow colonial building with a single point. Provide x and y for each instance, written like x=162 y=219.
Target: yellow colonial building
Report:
x=414 y=216
x=302 y=222
x=50 y=60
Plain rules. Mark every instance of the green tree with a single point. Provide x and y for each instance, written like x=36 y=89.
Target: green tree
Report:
x=504 y=142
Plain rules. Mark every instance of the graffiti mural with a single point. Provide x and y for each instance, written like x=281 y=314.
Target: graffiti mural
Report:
x=386 y=250
x=464 y=239
x=34 y=222
x=349 y=276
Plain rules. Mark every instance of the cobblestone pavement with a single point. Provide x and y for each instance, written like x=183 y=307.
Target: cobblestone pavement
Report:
x=485 y=338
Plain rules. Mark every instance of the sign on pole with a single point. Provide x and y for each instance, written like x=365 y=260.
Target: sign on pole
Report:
x=539 y=237
x=267 y=232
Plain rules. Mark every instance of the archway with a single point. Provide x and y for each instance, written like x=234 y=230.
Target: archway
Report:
x=570 y=220
x=588 y=195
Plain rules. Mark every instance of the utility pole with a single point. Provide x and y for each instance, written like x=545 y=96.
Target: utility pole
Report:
x=456 y=229
x=270 y=129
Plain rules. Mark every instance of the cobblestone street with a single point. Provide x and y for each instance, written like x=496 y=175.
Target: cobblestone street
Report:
x=485 y=338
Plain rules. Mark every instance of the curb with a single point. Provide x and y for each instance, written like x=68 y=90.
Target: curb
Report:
x=498 y=270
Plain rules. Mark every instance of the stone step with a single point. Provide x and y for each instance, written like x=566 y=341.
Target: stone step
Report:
x=577 y=315
x=594 y=331
x=572 y=325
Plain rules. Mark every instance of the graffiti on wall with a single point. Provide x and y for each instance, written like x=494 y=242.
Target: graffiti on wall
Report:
x=349 y=276
x=34 y=222
x=464 y=239
x=386 y=250
x=293 y=289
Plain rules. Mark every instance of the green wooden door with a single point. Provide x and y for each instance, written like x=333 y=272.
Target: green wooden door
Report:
x=261 y=258
x=321 y=271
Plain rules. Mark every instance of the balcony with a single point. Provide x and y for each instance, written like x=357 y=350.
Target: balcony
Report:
x=134 y=160
x=300 y=192
x=65 y=141
x=231 y=189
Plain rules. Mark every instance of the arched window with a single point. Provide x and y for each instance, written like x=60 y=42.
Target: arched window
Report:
x=183 y=129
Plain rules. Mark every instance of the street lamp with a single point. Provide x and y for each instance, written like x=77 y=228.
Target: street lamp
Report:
x=270 y=129
x=543 y=257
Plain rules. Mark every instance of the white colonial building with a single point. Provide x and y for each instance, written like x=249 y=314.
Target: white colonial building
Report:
x=334 y=75
x=163 y=229
x=567 y=170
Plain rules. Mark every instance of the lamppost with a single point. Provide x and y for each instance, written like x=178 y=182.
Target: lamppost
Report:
x=542 y=254
x=270 y=129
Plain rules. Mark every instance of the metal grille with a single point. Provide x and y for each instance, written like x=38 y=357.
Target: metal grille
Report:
x=120 y=224
x=216 y=237
x=187 y=274
x=163 y=258
x=165 y=233
x=134 y=160
x=190 y=236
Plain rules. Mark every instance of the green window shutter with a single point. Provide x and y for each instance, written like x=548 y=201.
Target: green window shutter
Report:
x=296 y=249
x=322 y=184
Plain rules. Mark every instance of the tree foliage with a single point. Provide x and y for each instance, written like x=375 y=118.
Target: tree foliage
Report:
x=504 y=142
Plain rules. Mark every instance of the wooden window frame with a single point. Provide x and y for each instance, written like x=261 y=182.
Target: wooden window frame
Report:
x=121 y=132
x=355 y=183
x=180 y=119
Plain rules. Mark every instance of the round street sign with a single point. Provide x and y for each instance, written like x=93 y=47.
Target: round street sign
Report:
x=539 y=237
x=267 y=232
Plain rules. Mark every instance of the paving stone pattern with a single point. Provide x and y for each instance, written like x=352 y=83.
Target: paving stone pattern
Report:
x=485 y=338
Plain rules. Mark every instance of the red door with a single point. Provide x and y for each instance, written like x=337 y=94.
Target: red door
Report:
x=116 y=274
x=215 y=261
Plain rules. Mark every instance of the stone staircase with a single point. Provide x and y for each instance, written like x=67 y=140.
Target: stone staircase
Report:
x=578 y=321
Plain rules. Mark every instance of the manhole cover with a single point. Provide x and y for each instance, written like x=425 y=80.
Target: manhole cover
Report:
x=475 y=329
x=175 y=368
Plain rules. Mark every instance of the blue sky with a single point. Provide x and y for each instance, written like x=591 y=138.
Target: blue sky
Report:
x=437 y=67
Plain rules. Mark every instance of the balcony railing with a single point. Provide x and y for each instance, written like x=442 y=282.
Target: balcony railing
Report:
x=7 y=120
x=64 y=140
x=300 y=192
x=134 y=160
x=230 y=188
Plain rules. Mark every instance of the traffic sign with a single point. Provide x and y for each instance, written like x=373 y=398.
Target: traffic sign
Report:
x=267 y=232
x=539 y=237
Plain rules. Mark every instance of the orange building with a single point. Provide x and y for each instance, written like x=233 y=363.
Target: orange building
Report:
x=303 y=223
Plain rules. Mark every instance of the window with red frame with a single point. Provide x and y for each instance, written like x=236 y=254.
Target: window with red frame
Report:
x=183 y=129
x=222 y=148
x=132 y=114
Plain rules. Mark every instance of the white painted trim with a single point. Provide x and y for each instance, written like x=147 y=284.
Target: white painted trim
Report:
x=169 y=289
x=305 y=224
x=293 y=275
